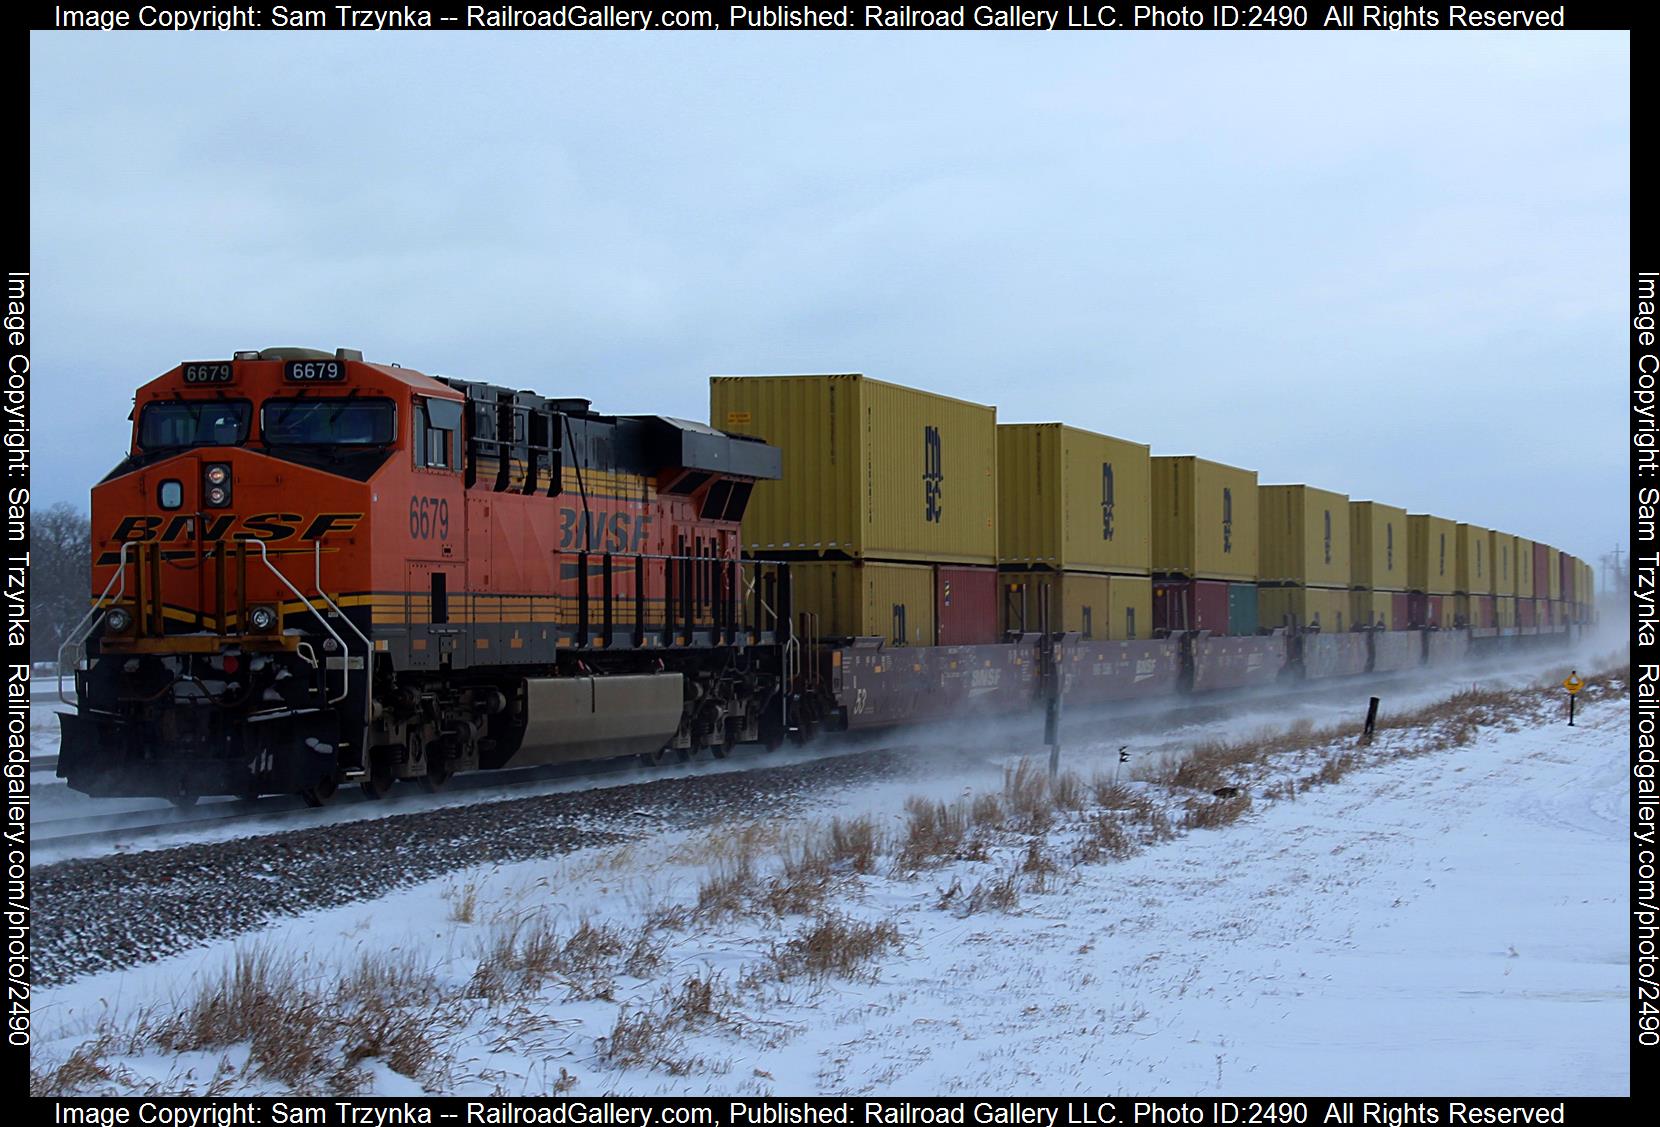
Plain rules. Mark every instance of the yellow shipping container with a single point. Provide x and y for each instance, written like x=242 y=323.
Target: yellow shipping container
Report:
x=872 y=470
x=1374 y=608
x=1524 y=567
x=1553 y=572
x=1504 y=610
x=1204 y=519
x=1325 y=607
x=1475 y=560
x=1304 y=535
x=1073 y=500
x=1432 y=554
x=894 y=602
x=1100 y=607
x=1501 y=553
x=1377 y=546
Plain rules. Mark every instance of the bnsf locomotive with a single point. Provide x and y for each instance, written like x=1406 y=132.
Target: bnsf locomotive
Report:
x=314 y=570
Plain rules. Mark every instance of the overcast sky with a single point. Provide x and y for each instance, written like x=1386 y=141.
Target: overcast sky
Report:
x=1394 y=265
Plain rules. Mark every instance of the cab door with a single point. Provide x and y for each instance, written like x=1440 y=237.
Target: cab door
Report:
x=437 y=581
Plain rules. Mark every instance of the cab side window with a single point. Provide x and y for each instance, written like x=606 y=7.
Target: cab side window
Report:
x=437 y=423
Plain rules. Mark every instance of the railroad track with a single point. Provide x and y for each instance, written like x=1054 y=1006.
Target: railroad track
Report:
x=137 y=825
x=1130 y=718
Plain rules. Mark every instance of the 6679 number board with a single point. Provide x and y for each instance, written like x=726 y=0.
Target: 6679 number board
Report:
x=314 y=371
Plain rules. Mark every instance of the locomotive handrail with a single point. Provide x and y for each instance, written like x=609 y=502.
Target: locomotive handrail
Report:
x=345 y=671
x=69 y=639
x=368 y=646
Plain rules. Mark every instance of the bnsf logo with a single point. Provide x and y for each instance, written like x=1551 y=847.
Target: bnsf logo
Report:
x=933 y=475
x=261 y=526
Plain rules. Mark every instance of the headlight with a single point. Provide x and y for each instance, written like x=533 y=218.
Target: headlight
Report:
x=216 y=480
x=262 y=618
x=119 y=620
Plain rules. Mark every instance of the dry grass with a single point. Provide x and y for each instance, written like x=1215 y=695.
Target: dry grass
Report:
x=934 y=833
x=529 y=952
x=1214 y=813
x=998 y=894
x=987 y=811
x=1104 y=839
x=833 y=945
x=463 y=902
x=310 y=1038
x=1028 y=796
x=724 y=890
x=1068 y=792
x=84 y=1072
x=854 y=845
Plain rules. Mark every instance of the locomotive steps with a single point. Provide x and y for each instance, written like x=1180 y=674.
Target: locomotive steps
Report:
x=687 y=958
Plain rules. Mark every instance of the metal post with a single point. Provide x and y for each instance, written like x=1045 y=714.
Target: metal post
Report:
x=1571 y=698
x=1050 y=664
x=1371 y=719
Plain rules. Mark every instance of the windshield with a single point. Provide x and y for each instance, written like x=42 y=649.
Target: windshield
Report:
x=336 y=421
x=197 y=422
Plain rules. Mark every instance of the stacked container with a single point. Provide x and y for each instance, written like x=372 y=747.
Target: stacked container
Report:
x=1432 y=570
x=1304 y=566
x=1378 y=565
x=1501 y=552
x=887 y=503
x=1074 y=532
x=1542 y=584
x=1568 y=568
x=1474 y=605
x=1204 y=541
x=1527 y=618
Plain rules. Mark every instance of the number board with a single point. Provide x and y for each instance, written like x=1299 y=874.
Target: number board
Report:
x=314 y=371
x=205 y=371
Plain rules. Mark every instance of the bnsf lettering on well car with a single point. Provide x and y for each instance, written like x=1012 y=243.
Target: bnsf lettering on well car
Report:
x=260 y=526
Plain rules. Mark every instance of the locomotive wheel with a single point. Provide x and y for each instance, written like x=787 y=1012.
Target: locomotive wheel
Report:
x=435 y=778
x=182 y=801
x=380 y=776
x=322 y=793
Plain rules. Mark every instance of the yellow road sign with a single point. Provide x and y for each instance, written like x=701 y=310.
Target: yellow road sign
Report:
x=1573 y=684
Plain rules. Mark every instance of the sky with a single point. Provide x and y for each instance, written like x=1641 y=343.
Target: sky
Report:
x=1393 y=265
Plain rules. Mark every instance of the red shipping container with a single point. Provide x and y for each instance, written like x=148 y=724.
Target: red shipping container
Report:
x=1527 y=615
x=965 y=606
x=1486 y=612
x=1541 y=571
x=1400 y=610
x=1545 y=619
x=1568 y=565
x=1190 y=604
x=1427 y=611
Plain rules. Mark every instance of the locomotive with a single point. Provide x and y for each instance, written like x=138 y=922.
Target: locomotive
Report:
x=315 y=570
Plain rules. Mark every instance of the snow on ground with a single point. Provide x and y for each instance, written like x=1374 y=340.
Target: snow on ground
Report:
x=1447 y=923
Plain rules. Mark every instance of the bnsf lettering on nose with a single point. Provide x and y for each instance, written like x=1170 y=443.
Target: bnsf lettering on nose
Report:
x=933 y=475
x=260 y=526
